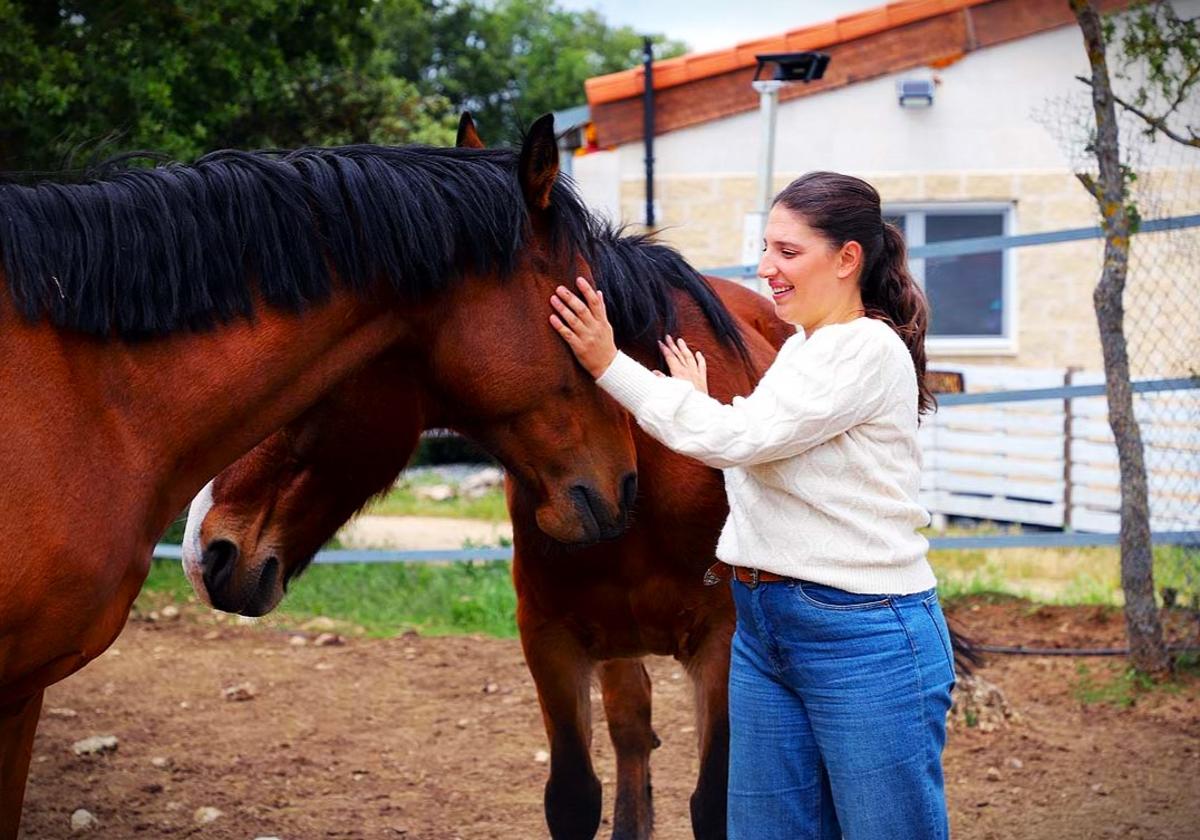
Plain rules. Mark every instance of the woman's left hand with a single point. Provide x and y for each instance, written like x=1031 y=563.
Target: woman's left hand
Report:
x=685 y=364
x=583 y=324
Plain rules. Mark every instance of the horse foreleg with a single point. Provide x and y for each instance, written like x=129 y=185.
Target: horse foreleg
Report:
x=18 y=723
x=562 y=673
x=708 y=668
x=626 y=688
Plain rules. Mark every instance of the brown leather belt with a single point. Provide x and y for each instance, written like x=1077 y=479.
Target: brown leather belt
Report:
x=720 y=571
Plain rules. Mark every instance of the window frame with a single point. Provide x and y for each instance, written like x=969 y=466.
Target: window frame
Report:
x=914 y=213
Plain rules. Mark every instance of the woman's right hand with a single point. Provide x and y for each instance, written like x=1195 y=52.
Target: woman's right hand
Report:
x=684 y=364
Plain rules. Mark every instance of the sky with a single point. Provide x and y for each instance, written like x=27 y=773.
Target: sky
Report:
x=716 y=24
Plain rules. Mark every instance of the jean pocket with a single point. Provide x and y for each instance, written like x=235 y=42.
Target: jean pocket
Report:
x=831 y=598
x=943 y=632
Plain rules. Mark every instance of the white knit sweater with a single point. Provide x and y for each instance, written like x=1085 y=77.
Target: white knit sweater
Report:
x=821 y=462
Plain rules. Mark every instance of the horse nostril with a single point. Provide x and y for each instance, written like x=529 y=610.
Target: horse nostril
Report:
x=628 y=492
x=589 y=507
x=218 y=561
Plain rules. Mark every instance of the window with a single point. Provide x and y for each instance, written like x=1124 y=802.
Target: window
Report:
x=971 y=297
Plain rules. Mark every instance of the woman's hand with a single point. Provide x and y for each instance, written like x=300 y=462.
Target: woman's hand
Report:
x=684 y=364
x=583 y=324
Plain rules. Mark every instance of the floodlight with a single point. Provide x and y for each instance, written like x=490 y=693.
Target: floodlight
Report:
x=793 y=67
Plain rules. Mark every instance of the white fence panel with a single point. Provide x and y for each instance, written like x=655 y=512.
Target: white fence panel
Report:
x=1029 y=462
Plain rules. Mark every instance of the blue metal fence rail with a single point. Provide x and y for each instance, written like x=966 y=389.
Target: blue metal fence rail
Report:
x=985 y=244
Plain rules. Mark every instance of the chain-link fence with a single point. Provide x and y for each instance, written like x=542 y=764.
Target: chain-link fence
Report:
x=1162 y=306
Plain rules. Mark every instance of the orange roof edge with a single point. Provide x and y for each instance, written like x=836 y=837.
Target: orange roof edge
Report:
x=694 y=66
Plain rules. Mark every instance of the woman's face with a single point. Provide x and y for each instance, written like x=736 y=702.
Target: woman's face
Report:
x=812 y=283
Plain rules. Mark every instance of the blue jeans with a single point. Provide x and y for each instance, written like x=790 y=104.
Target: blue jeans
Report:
x=837 y=713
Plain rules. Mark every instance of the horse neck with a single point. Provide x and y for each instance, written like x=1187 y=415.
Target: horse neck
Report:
x=178 y=409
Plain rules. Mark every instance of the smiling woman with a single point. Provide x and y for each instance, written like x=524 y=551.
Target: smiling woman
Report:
x=833 y=591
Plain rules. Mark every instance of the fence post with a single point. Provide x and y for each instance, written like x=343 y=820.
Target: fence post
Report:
x=1068 y=380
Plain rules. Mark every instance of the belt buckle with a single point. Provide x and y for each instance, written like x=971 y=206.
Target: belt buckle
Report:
x=753 y=584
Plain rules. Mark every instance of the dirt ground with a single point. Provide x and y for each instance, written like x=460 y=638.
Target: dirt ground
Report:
x=440 y=738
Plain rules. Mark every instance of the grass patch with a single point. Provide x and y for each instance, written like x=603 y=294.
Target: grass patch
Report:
x=1089 y=576
x=383 y=599
x=1116 y=685
x=402 y=500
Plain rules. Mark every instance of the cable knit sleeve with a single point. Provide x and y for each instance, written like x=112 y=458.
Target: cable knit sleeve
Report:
x=838 y=379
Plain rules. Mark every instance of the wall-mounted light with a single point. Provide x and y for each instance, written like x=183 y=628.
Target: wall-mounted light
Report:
x=915 y=93
x=793 y=67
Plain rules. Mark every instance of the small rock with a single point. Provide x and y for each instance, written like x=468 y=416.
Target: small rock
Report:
x=435 y=492
x=463 y=723
x=95 y=744
x=183 y=704
x=323 y=666
x=170 y=612
x=238 y=693
x=298 y=641
x=211 y=635
x=161 y=762
x=1015 y=763
x=152 y=615
x=83 y=820
x=993 y=774
x=153 y=787
x=206 y=814
x=491 y=688
x=1099 y=790
x=541 y=756
x=329 y=640
x=478 y=485
x=62 y=713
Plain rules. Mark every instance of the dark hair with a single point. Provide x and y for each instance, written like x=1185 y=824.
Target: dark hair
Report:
x=842 y=209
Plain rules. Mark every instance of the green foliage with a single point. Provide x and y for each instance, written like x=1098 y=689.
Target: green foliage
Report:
x=448 y=449
x=382 y=599
x=1116 y=685
x=1159 y=53
x=403 y=501
x=1167 y=46
x=512 y=60
x=82 y=79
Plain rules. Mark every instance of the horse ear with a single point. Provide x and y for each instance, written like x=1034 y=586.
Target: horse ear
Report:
x=539 y=163
x=468 y=137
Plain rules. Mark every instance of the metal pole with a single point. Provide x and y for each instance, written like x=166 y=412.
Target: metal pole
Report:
x=648 y=126
x=756 y=220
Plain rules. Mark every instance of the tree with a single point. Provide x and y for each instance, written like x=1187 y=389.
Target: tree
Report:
x=187 y=76
x=1166 y=47
x=513 y=60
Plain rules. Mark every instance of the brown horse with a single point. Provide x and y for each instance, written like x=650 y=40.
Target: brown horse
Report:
x=599 y=607
x=161 y=323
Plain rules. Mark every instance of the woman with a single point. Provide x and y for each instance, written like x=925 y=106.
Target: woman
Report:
x=841 y=666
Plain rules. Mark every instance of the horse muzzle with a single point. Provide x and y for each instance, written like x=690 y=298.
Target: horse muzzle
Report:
x=235 y=589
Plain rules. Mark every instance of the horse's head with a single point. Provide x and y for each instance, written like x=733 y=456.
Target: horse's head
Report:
x=479 y=357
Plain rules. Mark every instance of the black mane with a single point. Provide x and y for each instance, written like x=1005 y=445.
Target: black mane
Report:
x=637 y=274
x=146 y=252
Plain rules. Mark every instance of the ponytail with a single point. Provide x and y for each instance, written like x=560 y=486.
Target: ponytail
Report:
x=843 y=209
x=890 y=294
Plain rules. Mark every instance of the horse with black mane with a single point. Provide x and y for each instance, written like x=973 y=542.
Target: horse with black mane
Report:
x=159 y=323
x=580 y=610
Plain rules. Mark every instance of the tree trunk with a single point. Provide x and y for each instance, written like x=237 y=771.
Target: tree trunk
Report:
x=1148 y=652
